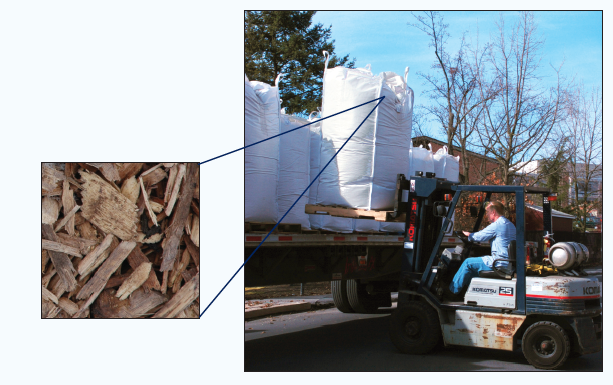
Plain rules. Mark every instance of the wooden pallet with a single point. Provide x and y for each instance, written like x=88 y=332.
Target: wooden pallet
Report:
x=347 y=212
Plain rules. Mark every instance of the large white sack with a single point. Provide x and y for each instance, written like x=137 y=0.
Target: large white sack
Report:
x=261 y=160
x=365 y=225
x=294 y=170
x=421 y=160
x=363 y=174
x=314 y=148
x=393 y=139
x=391 y=227
x=347 y=181
x=330 y=223
x=322 y=222
x=446 y=166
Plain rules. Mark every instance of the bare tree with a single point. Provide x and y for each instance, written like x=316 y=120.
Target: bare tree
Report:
x=420 y=122
x=584 y=129
x=453 y=86
x=518 y=122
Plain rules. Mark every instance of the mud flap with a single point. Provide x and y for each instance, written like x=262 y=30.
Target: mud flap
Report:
x=588 y=337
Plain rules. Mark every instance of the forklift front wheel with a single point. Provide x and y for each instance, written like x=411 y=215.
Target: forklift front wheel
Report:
x=415 y=328
x=546 y=345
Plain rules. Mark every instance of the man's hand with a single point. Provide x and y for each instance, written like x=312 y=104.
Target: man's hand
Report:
x=466 y=233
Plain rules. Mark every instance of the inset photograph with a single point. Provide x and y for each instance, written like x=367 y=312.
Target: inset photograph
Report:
x=120 y=240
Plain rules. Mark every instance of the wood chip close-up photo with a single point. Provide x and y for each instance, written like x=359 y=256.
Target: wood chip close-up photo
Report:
x=120 y=240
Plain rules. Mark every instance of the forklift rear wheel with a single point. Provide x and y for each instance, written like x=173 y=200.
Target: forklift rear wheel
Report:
x=339 y=296
x=415 y=328
x=361 y=302
x=546 y=345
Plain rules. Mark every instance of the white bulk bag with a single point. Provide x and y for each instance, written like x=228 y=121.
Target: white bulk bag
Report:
x=391 y=227
x=379 y=148
x=322 y=222
x=330 y=223
x=393 y=139
x=261 y=160
x=421 y=160
x=446 y=166
x=365 y=225
x=294 y=159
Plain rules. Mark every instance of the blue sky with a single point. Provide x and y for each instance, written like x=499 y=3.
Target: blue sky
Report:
x=385 y=40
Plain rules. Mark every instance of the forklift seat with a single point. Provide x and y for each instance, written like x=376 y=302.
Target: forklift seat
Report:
x=511 y=260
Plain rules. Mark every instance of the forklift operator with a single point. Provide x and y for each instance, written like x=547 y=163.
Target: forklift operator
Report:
x=500 y=233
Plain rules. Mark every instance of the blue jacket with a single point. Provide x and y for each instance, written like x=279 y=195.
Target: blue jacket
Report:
x=500 y=233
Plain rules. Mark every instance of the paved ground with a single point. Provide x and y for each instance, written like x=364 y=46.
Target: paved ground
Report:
x=324 y=339
x=328 y=340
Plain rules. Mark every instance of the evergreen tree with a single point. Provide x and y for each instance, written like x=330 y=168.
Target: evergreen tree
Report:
x=554 y=171
x=286 y=42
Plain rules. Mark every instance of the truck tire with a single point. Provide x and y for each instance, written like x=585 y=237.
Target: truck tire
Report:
x=415 y=328
x=545 y=345
x=339 y=296
x=361 y=302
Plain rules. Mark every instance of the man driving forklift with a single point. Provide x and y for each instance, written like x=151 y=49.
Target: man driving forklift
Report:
x=500 y=233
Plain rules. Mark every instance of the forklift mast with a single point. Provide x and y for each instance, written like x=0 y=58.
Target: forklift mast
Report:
x=429 y=215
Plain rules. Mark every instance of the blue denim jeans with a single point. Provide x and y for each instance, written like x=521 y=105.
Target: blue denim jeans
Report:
x=470 y=268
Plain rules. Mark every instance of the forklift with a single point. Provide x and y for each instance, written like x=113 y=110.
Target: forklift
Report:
x=550 y=309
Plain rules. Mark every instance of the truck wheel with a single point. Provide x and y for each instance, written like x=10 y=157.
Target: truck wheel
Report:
x=359 y=299
x=339 y=296
x=545 y=345
x=415 y=328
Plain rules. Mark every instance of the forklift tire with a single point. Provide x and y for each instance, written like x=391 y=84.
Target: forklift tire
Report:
x=361 y=302
x=339 y=296
x=415 y=328
x=545 y=345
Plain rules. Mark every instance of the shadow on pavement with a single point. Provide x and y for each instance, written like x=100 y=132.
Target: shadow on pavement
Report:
x=363 y=345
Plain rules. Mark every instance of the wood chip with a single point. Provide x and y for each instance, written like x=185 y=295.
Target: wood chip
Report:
x=67 y=219
x=49 y=296
x=128 y=170
x=156 y=207
x=51 y=210
x=117 y=280
x=109 y=171
x=85 y=266
x=69 y=204
x=175 y=230
x=180 y=266
x=154 y=177
x=62 y=263
x=195 y=235
x=135 y=259
x=164 y=286
x=181 y=300
x=146 y=200
x=96 y=284
x=51 y=177
x=106 y=208
x=68 y=306
x=56 y=246
x=175 y=189
x=82 y=244
x=152 y=169
x=172 y=177
x=111 y=285
x=138 y=305
x=134 y=281
x=194 y=251
x=131 y=189
x=44 y=259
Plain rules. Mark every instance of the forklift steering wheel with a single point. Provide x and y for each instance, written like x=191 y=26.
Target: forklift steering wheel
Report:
x=463 y=238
